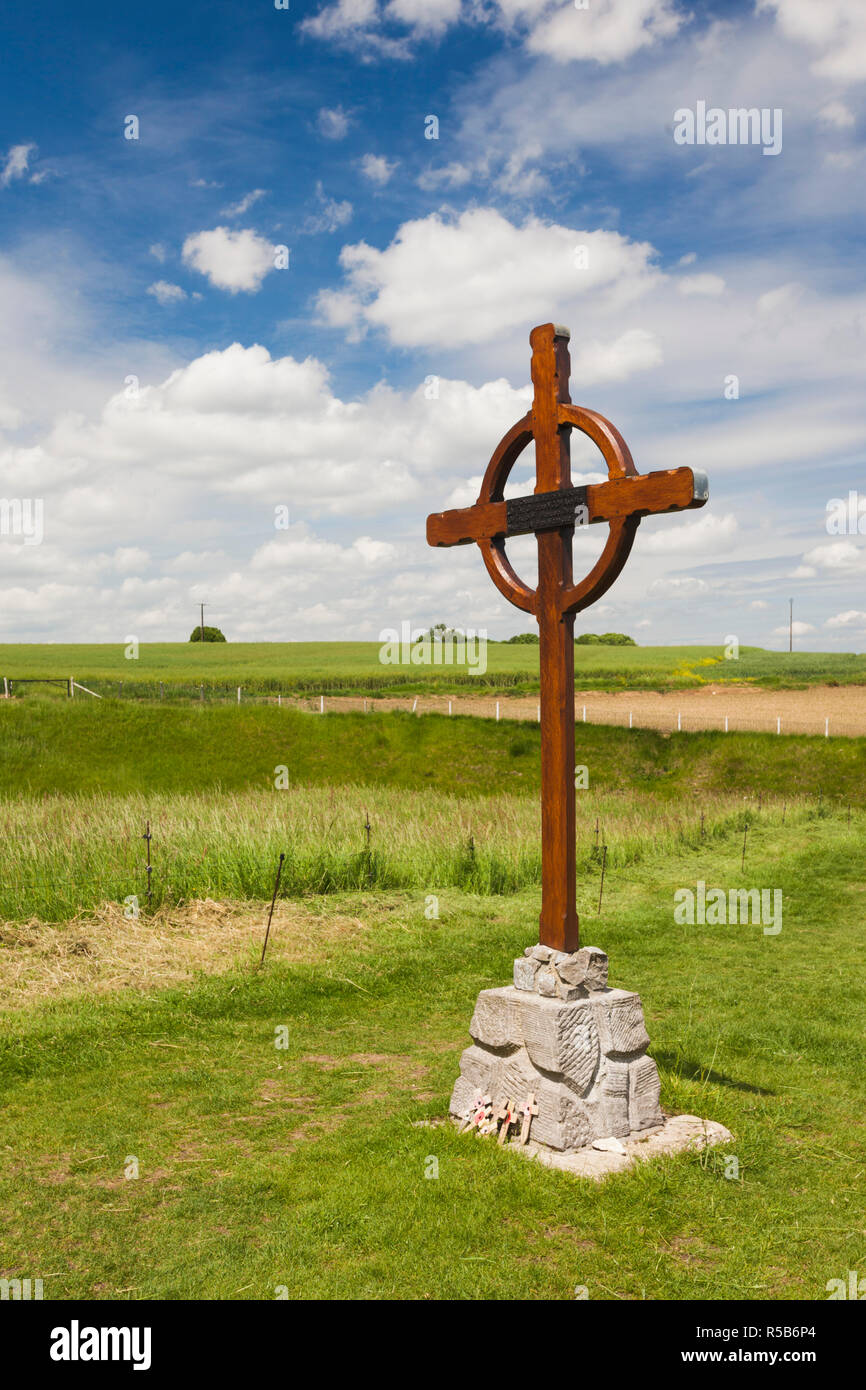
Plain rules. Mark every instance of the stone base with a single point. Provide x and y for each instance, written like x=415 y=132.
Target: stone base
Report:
x=562 y=1036
x=678 y=1134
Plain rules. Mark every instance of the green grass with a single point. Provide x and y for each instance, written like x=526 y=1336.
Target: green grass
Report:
x=83 y=748
x=304 y=1168
x=262 y=1168
x=63 y=855
x=354 y=668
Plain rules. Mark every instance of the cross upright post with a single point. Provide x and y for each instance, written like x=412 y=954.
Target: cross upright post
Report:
x=558 y=923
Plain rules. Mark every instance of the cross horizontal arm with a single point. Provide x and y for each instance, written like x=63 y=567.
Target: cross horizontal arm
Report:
x=670 y=490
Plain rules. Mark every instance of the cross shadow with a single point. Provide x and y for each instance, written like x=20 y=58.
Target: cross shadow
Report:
x=693 y=1071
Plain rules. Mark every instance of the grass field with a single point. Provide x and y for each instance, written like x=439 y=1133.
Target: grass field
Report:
x=178 y=1123
x=354 y=668
x=262 y=1169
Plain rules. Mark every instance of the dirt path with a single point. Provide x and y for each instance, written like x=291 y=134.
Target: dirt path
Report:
x=756 y=710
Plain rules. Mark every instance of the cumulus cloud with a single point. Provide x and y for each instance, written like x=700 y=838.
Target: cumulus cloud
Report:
x=834 y=557
x=231 y=260
x=377 y=168
x=701 y=284
x=603 y=32
x=852 y=618
x=798 y=629
x=465 y=280
x=332 y=214
x=166 y=293
x=606 y=31
x=835 y=30
x=707 y=534
x=15 y=164
x=332 y=121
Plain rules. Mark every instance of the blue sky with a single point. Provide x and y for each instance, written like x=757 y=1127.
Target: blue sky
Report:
x=169 y=392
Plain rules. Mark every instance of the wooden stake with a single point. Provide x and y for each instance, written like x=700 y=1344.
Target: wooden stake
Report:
x=271 y=913
x=601 y=886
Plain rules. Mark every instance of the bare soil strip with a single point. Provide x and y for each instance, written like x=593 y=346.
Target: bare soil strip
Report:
x=822 y=709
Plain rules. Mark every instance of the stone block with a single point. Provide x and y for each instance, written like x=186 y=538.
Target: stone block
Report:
x=619 y=1015
x=525 y=971
x=493 y=1023
x=614 y=1095
x=644 y=1110
x=587 y=967
x=546 y=982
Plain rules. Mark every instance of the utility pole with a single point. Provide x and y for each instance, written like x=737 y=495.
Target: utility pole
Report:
x=791 y=625
x=201 y=606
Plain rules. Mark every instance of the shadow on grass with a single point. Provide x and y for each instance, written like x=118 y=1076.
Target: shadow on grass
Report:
x=679 y=1066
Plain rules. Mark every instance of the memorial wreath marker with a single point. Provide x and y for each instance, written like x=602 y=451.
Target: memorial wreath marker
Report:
x=559 y=1033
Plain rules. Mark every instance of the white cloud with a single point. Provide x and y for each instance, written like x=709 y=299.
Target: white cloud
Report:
x=607 y=31
x=705 y=284
x=244 y=204
x=835 y=28
x=798 y=629
x=704 y=536
x=854 y=618
x=231 y=260
x=333 y=122
x=158 y=251
x=166 y=293
x=15 y=164
x=466 y=280
x=454 y=175
x=331 y=215
x=836 y=555
x=128 y=558
x=377 y=168
x=684 y=586
x=425 y=16
x=836 y=113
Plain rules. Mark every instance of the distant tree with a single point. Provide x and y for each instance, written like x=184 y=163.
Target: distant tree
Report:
x=211 y=634
x=607 y=639
x=523 y=639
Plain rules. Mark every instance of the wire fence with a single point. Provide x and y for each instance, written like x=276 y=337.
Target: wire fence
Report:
x=595 y=709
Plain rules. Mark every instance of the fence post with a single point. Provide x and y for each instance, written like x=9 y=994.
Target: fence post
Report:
x=778 y=723
x=679 y=721
x=827 y=727
x=321 y=704
x=497 y=711
x=449 y=706
x=72 y=687
x=239 y=694
x=201 y=692
x=726 y=723
x=630 y=719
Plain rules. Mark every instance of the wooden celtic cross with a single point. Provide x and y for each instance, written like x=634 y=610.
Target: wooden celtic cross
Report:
x=551 y=514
